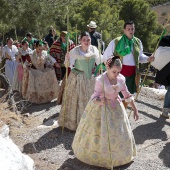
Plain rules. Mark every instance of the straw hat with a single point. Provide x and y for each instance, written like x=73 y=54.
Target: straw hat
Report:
x=92 y=24
x=63 y=33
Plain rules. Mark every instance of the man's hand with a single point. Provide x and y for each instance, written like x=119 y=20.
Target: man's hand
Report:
x=57 y=65
x=151 y=58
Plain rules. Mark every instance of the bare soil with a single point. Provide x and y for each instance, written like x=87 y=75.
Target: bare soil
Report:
x=51 y=150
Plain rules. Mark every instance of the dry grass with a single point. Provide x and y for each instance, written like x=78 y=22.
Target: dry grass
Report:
x=7 y=115
x=14 y=121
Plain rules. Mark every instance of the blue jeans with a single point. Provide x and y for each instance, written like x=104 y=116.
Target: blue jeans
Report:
x=167 y=98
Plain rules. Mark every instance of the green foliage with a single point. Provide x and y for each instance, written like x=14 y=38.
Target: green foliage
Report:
x=37 y=16
x=107 y=18
x=144 y=18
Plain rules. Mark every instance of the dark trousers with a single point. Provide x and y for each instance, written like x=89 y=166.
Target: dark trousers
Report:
x=63 y=72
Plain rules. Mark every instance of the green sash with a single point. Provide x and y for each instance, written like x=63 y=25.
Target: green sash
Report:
x=136 y=50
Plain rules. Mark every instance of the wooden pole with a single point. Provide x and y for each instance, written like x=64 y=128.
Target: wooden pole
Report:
x=66 y=65
x=76 y=34
x=1 y=62
x=101 y=70
x=147 y=71
x=16 y=33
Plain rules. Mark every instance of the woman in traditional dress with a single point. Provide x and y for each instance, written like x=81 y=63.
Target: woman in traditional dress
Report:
x=49 y=57
x=104 y=137
x=80 y=85
x=39 y=82
x=9 y=52
x=22 y=55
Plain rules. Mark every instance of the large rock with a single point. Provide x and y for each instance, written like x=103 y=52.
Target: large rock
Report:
x=11 y=157
x=153 y=93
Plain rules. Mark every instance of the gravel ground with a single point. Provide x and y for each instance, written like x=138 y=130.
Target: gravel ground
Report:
x=51 y=150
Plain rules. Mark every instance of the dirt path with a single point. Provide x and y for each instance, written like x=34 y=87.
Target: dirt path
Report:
x=51 y=150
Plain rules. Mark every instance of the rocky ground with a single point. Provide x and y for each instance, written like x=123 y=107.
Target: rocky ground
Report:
x=37 y=134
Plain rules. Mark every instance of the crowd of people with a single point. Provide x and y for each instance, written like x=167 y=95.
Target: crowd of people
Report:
x=91 y=106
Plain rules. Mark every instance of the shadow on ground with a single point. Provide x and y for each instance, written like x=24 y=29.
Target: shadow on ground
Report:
x=55 y=116
x=39 y=107
x=151 y=130
x=75 y=164
x=51 y=140
x=149 y=105
x=165 y=155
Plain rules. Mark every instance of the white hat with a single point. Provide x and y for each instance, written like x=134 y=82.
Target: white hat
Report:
x=92 y=24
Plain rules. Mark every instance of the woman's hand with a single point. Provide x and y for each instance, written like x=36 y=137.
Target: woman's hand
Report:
x=107 y=63
x=50 y=66
x=101 y=101
x=28 y=67
x=67 y=57
x=135 y=110
x=136 y=115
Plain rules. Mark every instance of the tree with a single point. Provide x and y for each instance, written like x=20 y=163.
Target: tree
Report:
x=145 y=21
x=106 y=17
x=6 y=13
x=156 y=2
x=37 y=16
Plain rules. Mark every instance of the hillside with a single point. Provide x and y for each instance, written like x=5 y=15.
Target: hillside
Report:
x=163 y=12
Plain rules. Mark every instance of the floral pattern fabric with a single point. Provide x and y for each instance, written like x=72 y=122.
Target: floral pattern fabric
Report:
x=39 y=85
x=77 y=96
x=104 y=137
x=102 y=128
x=79 y=88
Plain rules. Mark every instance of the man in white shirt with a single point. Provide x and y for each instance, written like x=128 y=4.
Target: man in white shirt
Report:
x=130 y=49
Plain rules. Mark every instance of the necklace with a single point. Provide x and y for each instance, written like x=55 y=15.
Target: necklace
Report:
x=112 y=81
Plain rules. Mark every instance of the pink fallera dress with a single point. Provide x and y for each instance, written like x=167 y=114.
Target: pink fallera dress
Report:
x=101 y=126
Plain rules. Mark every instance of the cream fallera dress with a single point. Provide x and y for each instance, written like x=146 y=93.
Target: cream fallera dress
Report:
x=40 y=84
x=80 y=86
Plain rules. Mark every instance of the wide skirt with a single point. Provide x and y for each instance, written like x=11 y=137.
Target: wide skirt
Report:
x=10 y=67
x=40 y=86
x=104 y=137
x=18 y=76
x=77 y=93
